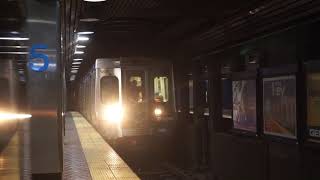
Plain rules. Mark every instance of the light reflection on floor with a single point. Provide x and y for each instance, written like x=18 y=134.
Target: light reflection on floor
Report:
x=15 y=158
x=10 y=160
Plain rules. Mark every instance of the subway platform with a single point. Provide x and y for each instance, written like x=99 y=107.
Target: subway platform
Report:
x=86 y=155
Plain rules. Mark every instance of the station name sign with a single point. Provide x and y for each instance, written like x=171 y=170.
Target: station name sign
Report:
x=38 y=61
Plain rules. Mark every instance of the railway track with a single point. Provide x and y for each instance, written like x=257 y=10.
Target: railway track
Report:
x=150 y=161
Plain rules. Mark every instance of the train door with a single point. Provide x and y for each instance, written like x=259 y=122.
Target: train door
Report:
x=85 y=97
x=135 y=98
x=112 y=109
x=93 y=105
x=88 y=98
x=86 y=92
x=92 y=97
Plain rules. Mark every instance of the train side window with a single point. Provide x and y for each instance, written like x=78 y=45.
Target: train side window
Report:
x=190 y=96
x=109 y=89
x=203 y=98
x=161 y=89
x=136 y=89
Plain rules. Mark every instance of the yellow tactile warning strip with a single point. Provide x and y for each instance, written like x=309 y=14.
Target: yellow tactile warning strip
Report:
x=102 y=160
x=75 y=165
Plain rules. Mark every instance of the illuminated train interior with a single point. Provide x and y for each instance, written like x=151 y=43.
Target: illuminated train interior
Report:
x=159 y=90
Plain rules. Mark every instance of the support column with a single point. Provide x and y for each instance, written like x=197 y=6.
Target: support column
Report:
x=197 y=115
x=44 y=88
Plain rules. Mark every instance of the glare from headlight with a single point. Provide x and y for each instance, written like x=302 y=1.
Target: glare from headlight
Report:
x=113 y=113
x=12 y=116
x=157 y=112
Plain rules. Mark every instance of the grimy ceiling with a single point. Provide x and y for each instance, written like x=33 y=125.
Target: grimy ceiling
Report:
x=165 y=28
x=136 y=27
x=145 y=27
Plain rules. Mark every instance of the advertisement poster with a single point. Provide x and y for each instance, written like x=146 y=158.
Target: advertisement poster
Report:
x=226 y=98
x=313 y=104
x=279 y=106
x=244 y=105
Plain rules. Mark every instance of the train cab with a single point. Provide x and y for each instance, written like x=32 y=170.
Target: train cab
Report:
x=148 y=93
x=125 y=97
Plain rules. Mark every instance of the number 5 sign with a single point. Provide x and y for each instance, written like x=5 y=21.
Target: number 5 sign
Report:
x=38 y=56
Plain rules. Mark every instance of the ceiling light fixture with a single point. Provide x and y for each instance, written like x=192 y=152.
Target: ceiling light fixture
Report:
x=85 y=32
x=14 y=38
x=78 y=52
x=89 y=20
x=18 y=47
x=94 y=0
x=77 y=59
x=14 y=52
x=73 y=77
x=82 y=38
x=80 y=46
x=76 y=63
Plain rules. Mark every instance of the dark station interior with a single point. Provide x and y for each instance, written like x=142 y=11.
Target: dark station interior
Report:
x=159 y=90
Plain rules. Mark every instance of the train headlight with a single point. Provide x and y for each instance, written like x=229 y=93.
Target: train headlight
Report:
x=157 y=112
x=113 y=113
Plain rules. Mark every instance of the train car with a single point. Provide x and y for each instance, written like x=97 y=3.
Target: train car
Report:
x=125 y=97
x=8 y=100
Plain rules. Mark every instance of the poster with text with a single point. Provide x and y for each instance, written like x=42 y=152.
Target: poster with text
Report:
x=244 y=105
x=313 y=101
x=279 y=106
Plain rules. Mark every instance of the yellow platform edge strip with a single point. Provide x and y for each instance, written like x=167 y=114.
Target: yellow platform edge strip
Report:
x=102 y=160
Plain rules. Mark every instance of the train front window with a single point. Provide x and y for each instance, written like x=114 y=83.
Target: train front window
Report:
x=109 y=89
x=161 y=89
x=135 y=89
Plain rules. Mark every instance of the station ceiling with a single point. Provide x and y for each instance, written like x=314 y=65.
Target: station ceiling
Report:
x=158 y=28
x=141 y=27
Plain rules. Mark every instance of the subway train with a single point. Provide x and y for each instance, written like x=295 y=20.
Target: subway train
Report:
x=125 y=97
x=8 y=100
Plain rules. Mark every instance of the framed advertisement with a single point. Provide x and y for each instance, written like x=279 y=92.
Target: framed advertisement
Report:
x=313 y=104
x=279 y=106
x=244 y=114
x=226 y=98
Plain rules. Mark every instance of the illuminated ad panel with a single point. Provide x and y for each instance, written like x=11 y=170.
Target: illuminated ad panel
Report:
x=244 y=105
x=313 y=104
x=279 y=106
